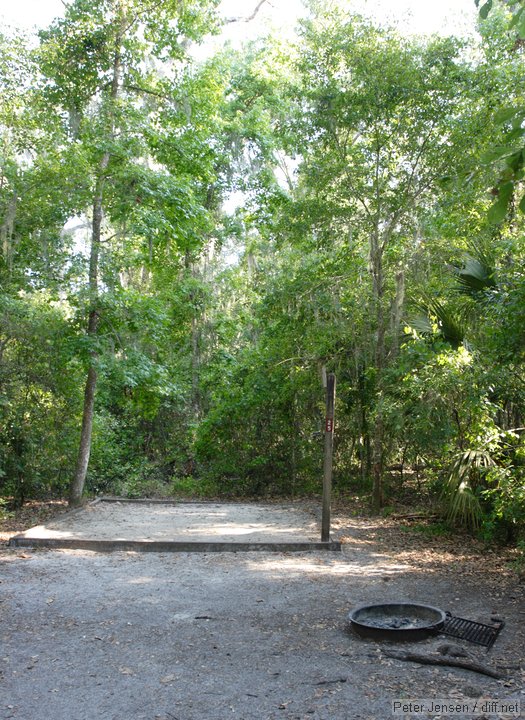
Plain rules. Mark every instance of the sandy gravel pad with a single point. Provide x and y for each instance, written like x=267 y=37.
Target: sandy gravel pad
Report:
x=216 y=522
x=253 y=636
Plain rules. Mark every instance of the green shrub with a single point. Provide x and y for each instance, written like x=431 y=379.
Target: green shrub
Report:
x=189 y=486
x=4 y=513
x=506 y=496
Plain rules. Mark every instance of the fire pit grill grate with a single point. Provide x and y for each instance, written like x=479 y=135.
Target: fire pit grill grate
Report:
x=471 y=631
x=408 y=622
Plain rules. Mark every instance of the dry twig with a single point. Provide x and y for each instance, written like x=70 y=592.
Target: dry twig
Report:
x=444 y=661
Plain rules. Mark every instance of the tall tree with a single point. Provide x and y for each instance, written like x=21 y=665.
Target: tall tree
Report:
x=102 y=69
x=381 y=120
x=507 y=157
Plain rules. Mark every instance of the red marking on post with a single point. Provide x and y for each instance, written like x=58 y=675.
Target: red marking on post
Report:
x=329 y=425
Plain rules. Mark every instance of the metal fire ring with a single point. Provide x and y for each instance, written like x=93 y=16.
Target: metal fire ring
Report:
x=397 y=621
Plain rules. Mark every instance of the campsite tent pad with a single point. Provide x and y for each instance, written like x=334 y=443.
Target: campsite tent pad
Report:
x=121 y=524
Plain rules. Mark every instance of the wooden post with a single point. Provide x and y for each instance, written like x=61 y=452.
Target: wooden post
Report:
x=328 y=456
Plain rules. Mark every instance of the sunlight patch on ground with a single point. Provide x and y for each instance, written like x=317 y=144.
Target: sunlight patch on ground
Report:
x=183 y=522
x=299 y=566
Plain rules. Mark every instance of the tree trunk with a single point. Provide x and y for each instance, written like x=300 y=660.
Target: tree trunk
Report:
x=397 y=313
x=84 y=451
x=6 y=229
x=365 y=456
x=377 y=463
x=192 y=271
x=376 y=263
x=379 y=428
x=77 y=484
x=293 y=436
x=195 y=369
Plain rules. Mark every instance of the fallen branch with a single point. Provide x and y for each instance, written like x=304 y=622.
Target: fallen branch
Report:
x=332 y=682
x=444 y=661
x=414 y=516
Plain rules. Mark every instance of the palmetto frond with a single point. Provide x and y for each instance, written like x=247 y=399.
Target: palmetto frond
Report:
x=477 y=273
x=463 y=506
x=436 y=318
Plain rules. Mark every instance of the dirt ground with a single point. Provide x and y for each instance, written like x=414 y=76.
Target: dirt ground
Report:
x=253 y=636
x=211 y=521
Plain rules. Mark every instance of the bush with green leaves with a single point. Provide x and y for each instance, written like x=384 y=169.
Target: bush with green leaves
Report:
x=39 y=397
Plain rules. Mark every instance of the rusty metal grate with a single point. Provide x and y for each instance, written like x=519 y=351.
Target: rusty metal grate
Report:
x=471 y=631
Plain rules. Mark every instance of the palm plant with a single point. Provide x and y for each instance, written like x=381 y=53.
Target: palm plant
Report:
x=466 y=476
x=436 y=318
x=453 y=322
x=477 y=273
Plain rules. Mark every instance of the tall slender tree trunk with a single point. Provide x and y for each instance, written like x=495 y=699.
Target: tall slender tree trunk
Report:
x=378 y=434
x=77 y=484
x=378 y=439
x=6 y=229
x=377 y=461
x=195 y=368
x=191 y=269
x=365 y=457
x=397 y=313
x=84 y=450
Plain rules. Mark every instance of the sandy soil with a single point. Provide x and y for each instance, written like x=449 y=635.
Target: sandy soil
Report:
x=253 y=636
x=184 y=521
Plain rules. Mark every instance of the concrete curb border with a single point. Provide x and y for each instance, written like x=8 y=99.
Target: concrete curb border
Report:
x=168 y=545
